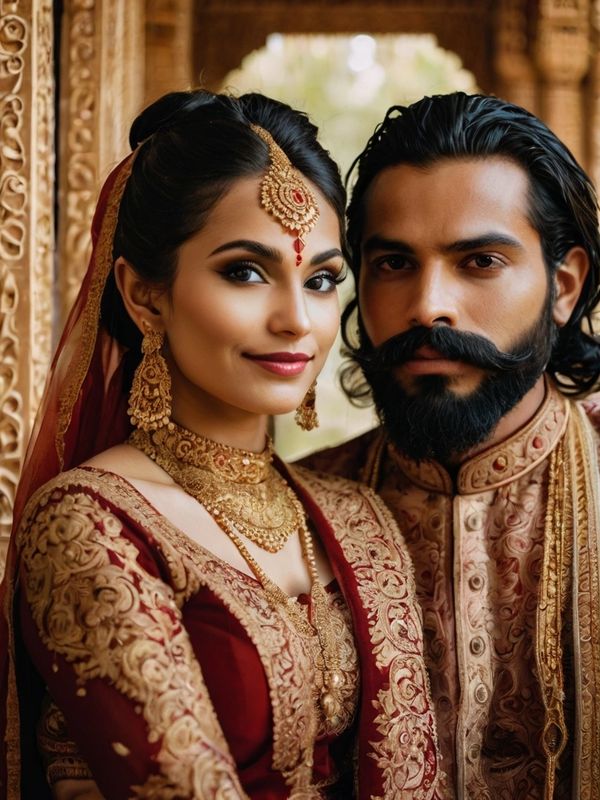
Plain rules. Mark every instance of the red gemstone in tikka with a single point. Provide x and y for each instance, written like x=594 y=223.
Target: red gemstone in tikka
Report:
x=298 y=245
x=298 y=197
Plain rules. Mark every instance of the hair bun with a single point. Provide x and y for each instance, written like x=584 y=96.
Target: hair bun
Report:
x=160 y=114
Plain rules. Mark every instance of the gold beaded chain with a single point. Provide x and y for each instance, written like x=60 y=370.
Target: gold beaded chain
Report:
x=193 y=462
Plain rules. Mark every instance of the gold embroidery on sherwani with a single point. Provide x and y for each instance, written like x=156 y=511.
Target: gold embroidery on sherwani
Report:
x=94 y=605
x=477 y=556
x=291 y=662
x=553 y=589
x=586 y=602
x=365 y=529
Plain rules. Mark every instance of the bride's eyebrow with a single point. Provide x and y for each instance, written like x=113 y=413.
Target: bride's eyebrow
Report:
x=272 y=253
x=259 y=249
x=321 y=258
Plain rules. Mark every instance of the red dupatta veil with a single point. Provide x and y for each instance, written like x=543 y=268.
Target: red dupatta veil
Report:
x=83 y=411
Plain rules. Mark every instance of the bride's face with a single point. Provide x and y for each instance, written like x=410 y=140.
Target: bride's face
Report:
x=246 y=328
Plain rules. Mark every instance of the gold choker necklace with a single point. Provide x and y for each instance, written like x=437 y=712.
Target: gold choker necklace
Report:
x=240 y=487
x=246 y=495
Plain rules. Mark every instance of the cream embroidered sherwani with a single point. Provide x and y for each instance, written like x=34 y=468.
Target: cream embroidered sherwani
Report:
x=506 y=565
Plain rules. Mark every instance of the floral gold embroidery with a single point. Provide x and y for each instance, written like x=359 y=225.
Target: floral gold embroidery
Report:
x=584 y=458
x=291 y=661
x=93 y=604
x=478 y=558
x=553 y=590
x=373 y=546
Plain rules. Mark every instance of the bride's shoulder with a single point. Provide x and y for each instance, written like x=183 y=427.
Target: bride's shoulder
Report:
x=128 y=462
x=107 y=481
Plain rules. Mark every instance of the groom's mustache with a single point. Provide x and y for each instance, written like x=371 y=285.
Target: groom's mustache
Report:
x=449 y=343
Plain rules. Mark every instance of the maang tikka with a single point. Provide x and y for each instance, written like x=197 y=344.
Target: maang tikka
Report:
x=285 y=195
x=150 y=395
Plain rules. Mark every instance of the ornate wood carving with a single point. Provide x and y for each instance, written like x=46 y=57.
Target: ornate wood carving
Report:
x=26 y=230
x=79 y=145
x=515 y=74
x=102 y=79
x=593 y=106
x=562 y=55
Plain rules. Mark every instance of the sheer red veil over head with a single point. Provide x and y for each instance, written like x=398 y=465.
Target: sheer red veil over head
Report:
x=83 y=411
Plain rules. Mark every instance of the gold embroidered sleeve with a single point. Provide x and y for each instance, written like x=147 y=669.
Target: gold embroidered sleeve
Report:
x=109 y=626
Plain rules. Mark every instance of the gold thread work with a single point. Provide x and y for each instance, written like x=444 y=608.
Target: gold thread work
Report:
x=102 y=262
x=285 y=195
x=553 y=590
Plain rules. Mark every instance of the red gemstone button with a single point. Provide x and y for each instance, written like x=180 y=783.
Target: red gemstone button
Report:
x=537 y=442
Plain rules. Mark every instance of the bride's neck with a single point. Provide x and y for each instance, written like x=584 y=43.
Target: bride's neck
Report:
x=245 y=431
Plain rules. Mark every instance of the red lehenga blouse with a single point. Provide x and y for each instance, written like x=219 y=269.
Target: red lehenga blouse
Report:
x=178 y=679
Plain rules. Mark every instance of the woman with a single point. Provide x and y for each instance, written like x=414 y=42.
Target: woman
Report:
x=208 y=622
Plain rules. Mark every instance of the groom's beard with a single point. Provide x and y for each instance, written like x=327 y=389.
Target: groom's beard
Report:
x=430 y=420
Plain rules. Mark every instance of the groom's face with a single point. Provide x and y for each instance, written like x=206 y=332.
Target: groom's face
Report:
x=450 y=248
x=450 y=245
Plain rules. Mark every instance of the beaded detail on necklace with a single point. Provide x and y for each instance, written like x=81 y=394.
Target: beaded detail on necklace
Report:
x=247 y=497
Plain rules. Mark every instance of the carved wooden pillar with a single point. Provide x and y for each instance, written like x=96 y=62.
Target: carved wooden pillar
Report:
x=516 y=80
x=562 y=56
x=593 y=105
x=169 y=34
x=26 y=229
x=102 y=83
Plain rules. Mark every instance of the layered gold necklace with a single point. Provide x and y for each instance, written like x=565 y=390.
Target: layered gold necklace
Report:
x=247 y=497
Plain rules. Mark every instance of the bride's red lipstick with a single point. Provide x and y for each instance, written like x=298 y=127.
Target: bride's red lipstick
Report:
x=281 y=363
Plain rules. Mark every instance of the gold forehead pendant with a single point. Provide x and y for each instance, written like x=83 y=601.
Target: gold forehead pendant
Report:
x=285 y=195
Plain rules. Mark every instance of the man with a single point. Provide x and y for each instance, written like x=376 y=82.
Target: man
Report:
x=476 y=253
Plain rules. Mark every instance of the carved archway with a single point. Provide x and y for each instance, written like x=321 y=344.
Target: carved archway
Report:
x=535 y=53
x=226 y=30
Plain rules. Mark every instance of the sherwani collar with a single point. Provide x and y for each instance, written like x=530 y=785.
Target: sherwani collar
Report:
x=500 y=464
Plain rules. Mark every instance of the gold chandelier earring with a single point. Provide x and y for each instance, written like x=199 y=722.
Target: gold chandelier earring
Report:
x=306 y=413
x=150 y=395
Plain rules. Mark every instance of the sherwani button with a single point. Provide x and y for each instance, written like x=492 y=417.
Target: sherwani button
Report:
x=474 y=752
x=476 y=582
x=477 y=645
x=481 y=693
